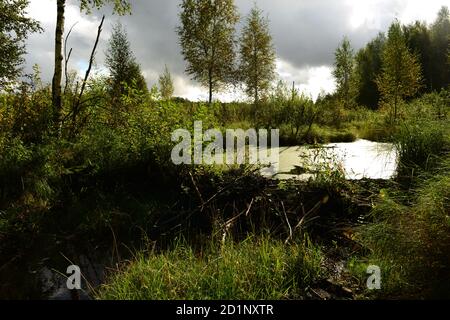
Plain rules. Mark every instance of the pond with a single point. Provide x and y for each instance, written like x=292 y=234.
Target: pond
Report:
x=358 y=160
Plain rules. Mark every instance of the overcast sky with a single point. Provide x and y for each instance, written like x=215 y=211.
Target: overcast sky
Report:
x=305 y=33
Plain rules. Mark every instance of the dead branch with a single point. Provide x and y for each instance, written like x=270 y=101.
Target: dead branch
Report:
x=196 y=188
x=223 y=189
x=230 y=221
x=288 y=223
x=88 y=71
x=67 y=56
x=305 y=215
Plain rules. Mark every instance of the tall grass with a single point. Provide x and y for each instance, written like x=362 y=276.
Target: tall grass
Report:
x=419 y=144
x=252 y=269
x=411 y=243
x=409 y=236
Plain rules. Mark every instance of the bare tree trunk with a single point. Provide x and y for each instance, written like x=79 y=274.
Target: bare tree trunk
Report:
x=255 y=79
x=210 y=86
x=210 y=92
x=57 y=76
x=309 y=127
x=293 y=91
x=395 y=109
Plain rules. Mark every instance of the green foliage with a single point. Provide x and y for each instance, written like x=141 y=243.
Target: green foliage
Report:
x=344 y=73
x=418 y=39
x=123 y=68
x=15 y=26
x=440 y=35
x=288 y=110
x=368 y=68
x=430 y=45
x=299 y=114
x=26 y=114
x=324 y=134
x=207 y=41
x=433 y=105
x=257 y=55
x=13 y=157
x=166 y=84
x=119 y=6
x=401 y=76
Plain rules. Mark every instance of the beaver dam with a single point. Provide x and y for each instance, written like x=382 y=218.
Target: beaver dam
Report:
x=237 y=202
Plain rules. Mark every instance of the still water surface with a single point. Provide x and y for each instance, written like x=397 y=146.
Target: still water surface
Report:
x=361 y=159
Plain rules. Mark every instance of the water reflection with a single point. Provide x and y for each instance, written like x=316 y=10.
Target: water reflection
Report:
x=358 y=160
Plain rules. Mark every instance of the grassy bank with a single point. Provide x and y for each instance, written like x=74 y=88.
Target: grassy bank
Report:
x=410 y=242
x=253 y=269
x=408 y=233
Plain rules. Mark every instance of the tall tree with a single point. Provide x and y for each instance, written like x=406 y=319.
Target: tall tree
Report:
x=121 y=62
x=401 y=76
x=344 y=71
x=257 y=54
x=440 y=35
x=15 y=27
x=166 y=84
x=368 y=68
x=119 y=6
x=207 y=41
x=418 y=39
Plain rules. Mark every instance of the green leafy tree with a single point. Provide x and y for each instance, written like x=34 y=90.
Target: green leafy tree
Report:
x=119 y=6
x=401 y=76
x=344 y=73
x=440 y=44
x=418 y=39
x=207 y=41
x=166 y=84
x=448 y=58
x=257 y=65
x=368 y=68
x=299 y=114
x=15 y=27
x=125 y=72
